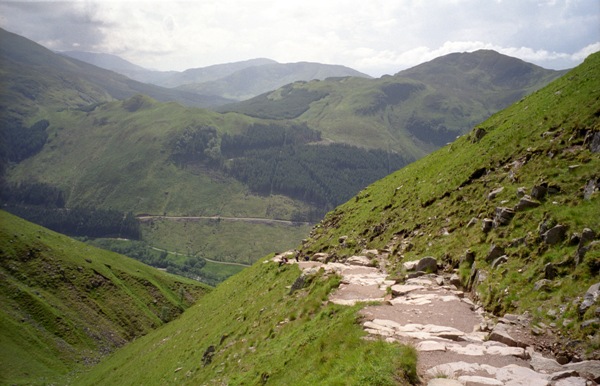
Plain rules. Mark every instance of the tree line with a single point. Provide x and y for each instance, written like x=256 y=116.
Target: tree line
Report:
x=44 y=204
x=286 y=158
x=191 y=267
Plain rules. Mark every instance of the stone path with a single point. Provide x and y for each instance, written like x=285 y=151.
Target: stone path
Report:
x=458 y=344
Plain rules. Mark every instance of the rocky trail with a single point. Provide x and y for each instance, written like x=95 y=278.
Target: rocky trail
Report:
x=457 y=342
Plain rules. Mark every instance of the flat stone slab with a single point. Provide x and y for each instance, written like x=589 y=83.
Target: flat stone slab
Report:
x=350 y=294
x=476 y=380
x=415 y=331
x=422 y=299
x=444 y=382
x=403 y=289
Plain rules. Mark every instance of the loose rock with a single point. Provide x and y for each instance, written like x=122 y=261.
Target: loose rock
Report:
x=495 y=252
x=555 y=235
x=526 y=202
x=427 y=264
x=503 y=216
x=590 y=298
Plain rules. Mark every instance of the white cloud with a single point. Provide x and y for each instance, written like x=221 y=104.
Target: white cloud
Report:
x=377 y=36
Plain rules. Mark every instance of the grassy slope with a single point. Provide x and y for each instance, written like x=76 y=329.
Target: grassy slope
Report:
x=428 y=204
x=116 y=158
x=223 y=240
x=456 y=91
x=65 y=303
x=41 y=79
x=262 y=334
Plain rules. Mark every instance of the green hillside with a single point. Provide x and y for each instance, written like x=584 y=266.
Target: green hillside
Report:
x=253 y=329
x=66 y=304
x=264 y=332
x=413 y=112
x=300 y=151
x=35 y=80
x=526 y=181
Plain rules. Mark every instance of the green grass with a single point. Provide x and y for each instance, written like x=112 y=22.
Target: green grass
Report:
x=430 y=202
x=222 y=240
x=262 y=334
x=66 y=304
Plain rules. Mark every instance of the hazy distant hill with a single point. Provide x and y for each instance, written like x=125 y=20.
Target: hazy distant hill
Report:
x=163 y=78
x=237 y=80
x=255 y=80
x=34 y=78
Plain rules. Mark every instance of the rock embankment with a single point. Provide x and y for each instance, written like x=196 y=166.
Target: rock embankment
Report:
x=458 y=343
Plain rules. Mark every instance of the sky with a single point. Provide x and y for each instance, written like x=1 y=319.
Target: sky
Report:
x=376 y=37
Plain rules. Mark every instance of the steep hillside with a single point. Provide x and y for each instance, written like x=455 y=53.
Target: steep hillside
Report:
x=413 y=112
x=252 y=81
x=271 y=324
x=267 y=325
x=66 y=304
x=35 y=79
x=514 y=206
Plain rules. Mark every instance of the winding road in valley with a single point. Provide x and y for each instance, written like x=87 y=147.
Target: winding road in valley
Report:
x=256 y=220
x=210 y=260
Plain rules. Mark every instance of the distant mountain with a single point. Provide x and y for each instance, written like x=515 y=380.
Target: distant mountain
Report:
x=255 y=80
x=211 y=73
x=500 y=79
x=34 y=77
x=414 y=111
x=163 y=78
x=238 y=80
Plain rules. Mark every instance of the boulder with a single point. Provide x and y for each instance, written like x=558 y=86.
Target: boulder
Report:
x=495 y=252
x=503 y=216
x=581 y=252
x=478 y=134
x=589 y=369
x=455 y=280
x=498 y=261
x=487 y=224
x=590 y=188
x=521 y=191
x=427 y=264
x=501 y=334
x=321 y=257
x=526 y=202
x=594 y=142
x=469 y=257
x=410 y=265
x=495 y=192
x=539 y=191
x=590 y=298
x=555 y=234
x=542 y=285
x=550 y=271
x=586 y=236
x=472 y=222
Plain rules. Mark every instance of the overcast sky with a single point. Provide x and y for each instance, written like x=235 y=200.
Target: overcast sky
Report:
x=373 y=36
